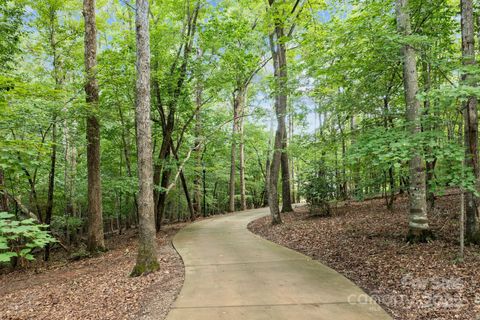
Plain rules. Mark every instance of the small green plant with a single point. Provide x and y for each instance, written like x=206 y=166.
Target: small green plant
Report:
x=19 y=238
x=319 y=189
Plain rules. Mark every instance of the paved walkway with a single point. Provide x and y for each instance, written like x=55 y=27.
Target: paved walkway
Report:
x=231 y=273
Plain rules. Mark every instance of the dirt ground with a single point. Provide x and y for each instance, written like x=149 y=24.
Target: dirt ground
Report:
x=366 y=243
x=95 y=288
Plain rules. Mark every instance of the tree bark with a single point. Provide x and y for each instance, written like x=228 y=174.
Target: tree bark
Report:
x=472 y=228
x=356 y=173
x=241 y=157
x=419 y=230
x=197 y=181
x=294 y=190
x=147 y=252
x=280 y=73
x=231 y=183
x=3 y=193
x=95 y=238
x=285 y=167
x=343 y=185
x=51 y=183
x=53 y=155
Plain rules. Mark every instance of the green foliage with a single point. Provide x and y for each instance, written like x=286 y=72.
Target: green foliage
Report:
x=11 y=14
x=61 y=223
x=346 y=104
x=319 y=188
x=19 y=238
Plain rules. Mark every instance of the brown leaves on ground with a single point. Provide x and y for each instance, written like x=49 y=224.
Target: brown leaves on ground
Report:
x=96 y=288
x=366 y=243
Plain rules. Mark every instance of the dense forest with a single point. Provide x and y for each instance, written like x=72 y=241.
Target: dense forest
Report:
x=119 y=115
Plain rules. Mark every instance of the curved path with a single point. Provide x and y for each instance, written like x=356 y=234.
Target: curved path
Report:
x=231 y=273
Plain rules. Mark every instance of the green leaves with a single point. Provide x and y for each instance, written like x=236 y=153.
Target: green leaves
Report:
x=19 y=238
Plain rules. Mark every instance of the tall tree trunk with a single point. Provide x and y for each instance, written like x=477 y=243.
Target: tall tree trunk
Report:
x=472 y=228
x=418 y=222
x=233 y=156
x=273 y=179
x=242 y=95
x=343 y=186
x=147 y=252
x=292 y=164
x=356 y=172
x=278 y=49
x=51 y=183
x=286 y=193
x=197 y=181
x=271 y=137
x=95 y=237
x=53 y=155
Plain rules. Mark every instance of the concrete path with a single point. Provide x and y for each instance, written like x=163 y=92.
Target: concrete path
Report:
x=231 y=273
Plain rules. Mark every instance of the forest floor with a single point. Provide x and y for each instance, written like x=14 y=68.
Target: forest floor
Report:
x=97 y=287
x=366 y=243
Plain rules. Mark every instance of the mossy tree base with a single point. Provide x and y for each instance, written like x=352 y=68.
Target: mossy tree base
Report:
x=420 y=236
x=141 y=269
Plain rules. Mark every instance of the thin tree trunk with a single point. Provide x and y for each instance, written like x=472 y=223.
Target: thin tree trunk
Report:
x=241 y=157
x=162 y=197
x=95 y=241
x=267 y=181
x=187 y=196
x=343 y=186
x=231 y=183
x=356 y=173
x=391 y=179
x=3 y=193
x=418 y=222
x=197 y=181
x=51 y=183
x=53 y=156
x=292 y=164
x=286 y=193
x=147 y=252
x=33 y=194
x=472 y=228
